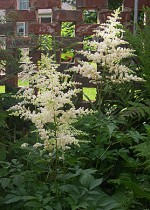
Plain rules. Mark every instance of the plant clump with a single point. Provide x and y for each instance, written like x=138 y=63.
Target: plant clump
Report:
x=48 y=103
x=109 y=52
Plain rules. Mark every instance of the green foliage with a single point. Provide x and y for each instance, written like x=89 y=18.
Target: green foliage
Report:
x=141 y=44
x=2 y=89
x=67 y=55
x=103 y=174
x=89 y=94
x=67 y=29
x=110 y=152
x=23 y=188
x=90 y=16
x=46 y=43
x=114 y=4
x=107 y=172
x=142 y=150
x=137 y=110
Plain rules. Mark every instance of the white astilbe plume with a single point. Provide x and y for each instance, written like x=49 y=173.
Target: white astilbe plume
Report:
x=51 y=108
x=109 y=51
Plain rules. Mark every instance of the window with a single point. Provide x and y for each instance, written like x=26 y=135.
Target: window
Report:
x=45 y=20
x=2 y=16
x=23 y=4
x=45 y=15
x=22 y=29
x=2 y=42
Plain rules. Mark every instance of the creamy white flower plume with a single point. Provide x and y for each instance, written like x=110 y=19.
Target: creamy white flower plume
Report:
x=109 y=49
x=51 y=109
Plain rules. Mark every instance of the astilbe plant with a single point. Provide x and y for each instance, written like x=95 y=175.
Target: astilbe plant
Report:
x=48 y=104
x=106 y=59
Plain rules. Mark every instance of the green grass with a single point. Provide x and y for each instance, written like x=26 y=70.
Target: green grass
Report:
x=2 y=89
x=90 y=93
x=23 y=83
x=20 y=84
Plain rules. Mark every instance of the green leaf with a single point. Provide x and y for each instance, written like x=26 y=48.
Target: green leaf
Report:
x=86 y=180
x=11 y=198
x=58 y=206
x=72 y=202
x=111 y=129
x=33 y=204
x=48 y=208
x=82 y=205
x=136 y=189
x=136 y=136
x=47 y=200
x=107 y=203
x=15 y=161
x=3 y=116
x=3 y=172
x=95 y=183
x=18 y=180
x=69 y=188
x=28 y=197
x=112 y=205
x=2 y=152
x=4 y=182
x=89 y=171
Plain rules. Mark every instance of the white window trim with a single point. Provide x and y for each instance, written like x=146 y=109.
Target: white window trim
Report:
x=44 y=13
x=19 y=5
x=25 y=26
x=2 y=16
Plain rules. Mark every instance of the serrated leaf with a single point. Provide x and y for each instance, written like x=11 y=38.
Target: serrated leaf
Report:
x=33 y=204
x=89 y=171
x=86 y=180
x=48 y=208
x=18 y=180
x=83 y=205
x=111 y=129
x=28 y=197
x=11 y=198
x=58 y=206
x=15 y=161
x=112 y=205
x=95 y=183
x=47 y=200
x=4 y=182
x=69 y=188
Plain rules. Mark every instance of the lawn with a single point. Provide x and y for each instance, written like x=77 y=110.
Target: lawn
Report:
x=2 y=89
x=89 y=93
x=20 y=84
